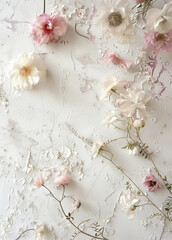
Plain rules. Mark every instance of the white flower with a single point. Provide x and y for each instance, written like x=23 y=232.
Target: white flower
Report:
x=134 y=104
x=39 y=232
x=111 y=83
x=96 y=148
x=26 y=71
x=129 y=202
x=111 y=117
x=159 y=20
x=113 y=16
x=134 y=151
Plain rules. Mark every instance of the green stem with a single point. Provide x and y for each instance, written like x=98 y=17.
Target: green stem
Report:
x=135 y=185
x=31 y=229
x=67 y=217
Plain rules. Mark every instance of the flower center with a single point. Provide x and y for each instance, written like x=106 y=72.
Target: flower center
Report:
x=48 y=27
x=160 y=37
x=24 y=71
x=152 y=183
x=115 y=19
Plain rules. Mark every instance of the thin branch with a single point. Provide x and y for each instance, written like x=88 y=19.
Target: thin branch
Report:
x=31 y=229
x=44 y=7
x=80 y=33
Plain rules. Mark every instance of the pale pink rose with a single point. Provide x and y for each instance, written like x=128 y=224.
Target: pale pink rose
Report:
x=48 y=28
x=39 y=181
x=63 y=180
x=151 y=183
x=116 y=60
x=158 y=41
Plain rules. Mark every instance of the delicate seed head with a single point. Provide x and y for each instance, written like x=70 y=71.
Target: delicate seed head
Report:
x=115 y=19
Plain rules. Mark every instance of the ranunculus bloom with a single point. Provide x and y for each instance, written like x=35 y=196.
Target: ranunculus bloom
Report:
x=48 y=28
x=26 y=71
x=116 y=60
x=158 y=41
x=62 y=180
x=158 y=20
x=151 y=183
x=39 y=181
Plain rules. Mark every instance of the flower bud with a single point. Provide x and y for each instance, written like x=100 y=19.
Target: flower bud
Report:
x=77 y=204
x=138 y=123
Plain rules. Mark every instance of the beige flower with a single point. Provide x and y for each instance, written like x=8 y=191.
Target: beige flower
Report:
x=26 y=71
x=159 y=20
x=113 y=16
x=111 y=83
x=96 y=148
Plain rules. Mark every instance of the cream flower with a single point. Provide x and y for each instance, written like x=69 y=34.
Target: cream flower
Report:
x=26 y=71
x=110 y=84
x=111 y=117
x=129 y=202
x=96 y=148
x=113 y=16
x=39 y=232
x=134 y=104
x=159 y=20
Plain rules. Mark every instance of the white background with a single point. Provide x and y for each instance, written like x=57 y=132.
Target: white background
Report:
x=33 y=132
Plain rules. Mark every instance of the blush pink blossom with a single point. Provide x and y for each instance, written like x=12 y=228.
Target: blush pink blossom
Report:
x=48 y=28
x=39 y=181
x=158 y=41
x=63 y=180
x=151 y=182
x=116 y=60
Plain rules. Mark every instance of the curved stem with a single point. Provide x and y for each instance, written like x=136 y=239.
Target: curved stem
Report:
x=31 y=229
x=67 y=217
x=150 y=158
x=135 y=185
x=80 y=33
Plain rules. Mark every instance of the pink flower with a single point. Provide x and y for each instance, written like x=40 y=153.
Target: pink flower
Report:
x=159 y=41
x=39 y=181
x=151 y=183
x=63 y=180
x=48 y=28
x=116 y=60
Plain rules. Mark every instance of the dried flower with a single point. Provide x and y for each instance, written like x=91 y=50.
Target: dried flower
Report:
x=134 y=103
x=138 y=123
x=158 y=41
x=129 y=202
x=151 y=182
x=116 y=60
x=39 y=181
x=39 y=232
x=26 y=71
x=62 y=180
x=111 y=117
x=96 y=148
x=111 y=83
x=48 y=28
x=77 y=204
x=114 y=18
x=158 y=20
x=134 y=150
